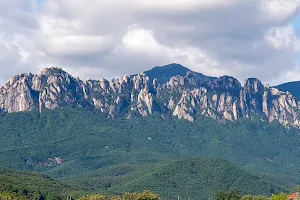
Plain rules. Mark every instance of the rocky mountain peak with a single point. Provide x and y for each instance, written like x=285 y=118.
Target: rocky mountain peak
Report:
x=52 y=71
x=225 y=83
x=253 y=85
x=171 y=89
x=164 y=73
x=141 y=81
x=292 y=87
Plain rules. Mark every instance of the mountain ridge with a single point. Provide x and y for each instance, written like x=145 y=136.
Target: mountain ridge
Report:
x=164 y=73
x=292 y=87
x=184 y=97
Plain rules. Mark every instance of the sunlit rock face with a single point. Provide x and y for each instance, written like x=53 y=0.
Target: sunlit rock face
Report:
x=182 y=96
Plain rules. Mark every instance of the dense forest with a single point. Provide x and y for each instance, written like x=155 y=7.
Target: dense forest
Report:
x=21 y=185
x=170 y=157
x=32 y=185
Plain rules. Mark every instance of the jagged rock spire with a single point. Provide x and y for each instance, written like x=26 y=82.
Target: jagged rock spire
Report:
x=184 y=96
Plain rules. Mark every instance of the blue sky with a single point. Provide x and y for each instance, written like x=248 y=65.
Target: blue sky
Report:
x=41 y=1
x=296 y=24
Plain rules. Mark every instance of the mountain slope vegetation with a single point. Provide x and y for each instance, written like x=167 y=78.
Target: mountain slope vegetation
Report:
x=194 y=178
x=121 y=154
x=29 y=185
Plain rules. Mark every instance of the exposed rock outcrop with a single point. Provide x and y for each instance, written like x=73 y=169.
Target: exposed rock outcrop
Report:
x=184 y=97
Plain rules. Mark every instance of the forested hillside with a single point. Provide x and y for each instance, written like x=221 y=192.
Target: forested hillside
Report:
x=84 y=148
x=29 y=185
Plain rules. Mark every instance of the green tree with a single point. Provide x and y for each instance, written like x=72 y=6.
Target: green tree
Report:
x=129 y=196
x=93 y=197
x=5 y=197
x=147 y=195
x=260 y=198
x=247 y=197
x=117 y=198
x=281 y=196
x=228 y=195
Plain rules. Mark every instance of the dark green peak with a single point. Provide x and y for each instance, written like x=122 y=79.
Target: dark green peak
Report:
x=292 y=87
x=174 y=68
x=164 y=73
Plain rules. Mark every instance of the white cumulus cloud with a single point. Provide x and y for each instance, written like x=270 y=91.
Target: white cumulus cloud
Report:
x=98 y=39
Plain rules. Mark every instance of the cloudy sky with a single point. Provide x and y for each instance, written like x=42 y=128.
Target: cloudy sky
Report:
x=98 y=38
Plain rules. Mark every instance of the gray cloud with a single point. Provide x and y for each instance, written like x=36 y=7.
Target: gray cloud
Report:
x=110 y=38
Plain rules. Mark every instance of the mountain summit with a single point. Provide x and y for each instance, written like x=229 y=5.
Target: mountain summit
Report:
x=169 y=90
x=167 y=71
x=164 y=73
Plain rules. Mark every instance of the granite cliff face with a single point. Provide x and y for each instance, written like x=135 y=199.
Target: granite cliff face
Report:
x=183 y=96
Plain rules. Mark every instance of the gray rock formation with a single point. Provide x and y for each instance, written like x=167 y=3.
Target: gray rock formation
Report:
x=184 y=97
